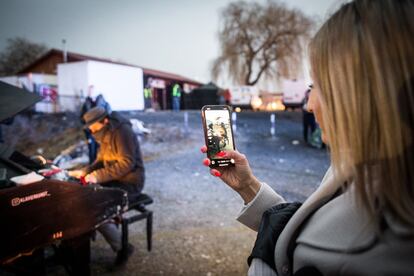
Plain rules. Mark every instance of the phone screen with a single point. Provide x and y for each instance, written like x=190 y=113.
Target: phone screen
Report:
x=218 y=135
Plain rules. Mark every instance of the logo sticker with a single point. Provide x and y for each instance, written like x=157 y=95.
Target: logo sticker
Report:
x=18 y=200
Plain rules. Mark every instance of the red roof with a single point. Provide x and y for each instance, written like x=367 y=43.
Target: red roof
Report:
x=170 y=76
x=73 y=57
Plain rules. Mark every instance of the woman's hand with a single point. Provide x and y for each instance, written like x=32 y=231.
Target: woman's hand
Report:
x=239 y=177
x=91 y=178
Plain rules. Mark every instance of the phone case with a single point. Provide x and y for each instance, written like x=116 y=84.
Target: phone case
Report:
x=218 y=134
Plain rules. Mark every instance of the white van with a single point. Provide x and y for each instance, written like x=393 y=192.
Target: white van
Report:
x=242 y=96
x=294 y=93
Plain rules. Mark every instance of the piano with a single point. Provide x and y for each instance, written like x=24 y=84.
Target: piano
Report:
x=48 y=213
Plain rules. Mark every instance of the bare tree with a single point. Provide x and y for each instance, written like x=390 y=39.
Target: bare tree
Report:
x=260 y=40
x=19 y=53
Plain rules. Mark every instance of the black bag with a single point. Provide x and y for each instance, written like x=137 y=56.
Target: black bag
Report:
x=272 y=224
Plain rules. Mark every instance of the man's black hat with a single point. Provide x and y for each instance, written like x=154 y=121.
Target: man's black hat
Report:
x=94 y=115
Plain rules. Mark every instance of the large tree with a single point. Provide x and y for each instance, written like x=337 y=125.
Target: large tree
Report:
x=260 y=41
x=19 y=53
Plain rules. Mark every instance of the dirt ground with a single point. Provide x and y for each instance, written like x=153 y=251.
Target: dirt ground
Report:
x=195 y=231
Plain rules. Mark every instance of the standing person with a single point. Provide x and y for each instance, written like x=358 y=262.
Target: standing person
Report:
x=118 y=165
x=176 y=97
x=100 y=101
x=227 y=96
x=308 y=117
x=220 y=95
x=148 y=97
x=360 y=219
x=88 y=104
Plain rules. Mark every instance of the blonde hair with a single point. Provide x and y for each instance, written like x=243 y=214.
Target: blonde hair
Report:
x=362 y=59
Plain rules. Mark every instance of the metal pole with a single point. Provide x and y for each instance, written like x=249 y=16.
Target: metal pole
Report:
x=164 y=99
x=272 y=125
x=186 y=122
x=234 y=119
x=65 y=53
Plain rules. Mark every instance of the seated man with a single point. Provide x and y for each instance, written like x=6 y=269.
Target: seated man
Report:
x=118 y=164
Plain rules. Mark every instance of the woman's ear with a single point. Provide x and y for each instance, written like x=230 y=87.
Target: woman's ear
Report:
x=311 y=101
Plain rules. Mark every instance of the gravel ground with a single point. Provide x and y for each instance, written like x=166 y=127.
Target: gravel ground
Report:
x=195 y=231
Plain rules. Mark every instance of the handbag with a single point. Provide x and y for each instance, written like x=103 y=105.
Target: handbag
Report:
x=271 y=226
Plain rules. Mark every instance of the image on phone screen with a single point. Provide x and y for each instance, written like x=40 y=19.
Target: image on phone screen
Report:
x=219 y=132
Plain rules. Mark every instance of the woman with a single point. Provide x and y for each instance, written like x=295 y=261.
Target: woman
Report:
x=360 y=221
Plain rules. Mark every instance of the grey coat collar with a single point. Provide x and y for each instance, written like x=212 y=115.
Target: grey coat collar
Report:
x=353 y=230
x=325 y=191
x=340 y=225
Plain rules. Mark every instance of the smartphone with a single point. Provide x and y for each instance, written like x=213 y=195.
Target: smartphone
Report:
x=218 y=134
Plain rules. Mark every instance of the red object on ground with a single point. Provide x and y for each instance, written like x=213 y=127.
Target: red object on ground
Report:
x=221 y=154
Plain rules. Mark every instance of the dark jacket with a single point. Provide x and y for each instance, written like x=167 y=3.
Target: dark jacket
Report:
x=119 y=158
x=87 y=105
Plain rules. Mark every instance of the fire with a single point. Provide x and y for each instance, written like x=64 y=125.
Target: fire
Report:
x=268 y=102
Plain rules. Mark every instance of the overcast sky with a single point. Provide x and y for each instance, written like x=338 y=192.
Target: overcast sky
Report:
x=178 y=36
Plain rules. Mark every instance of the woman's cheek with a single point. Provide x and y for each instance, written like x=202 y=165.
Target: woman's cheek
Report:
x=324 y=137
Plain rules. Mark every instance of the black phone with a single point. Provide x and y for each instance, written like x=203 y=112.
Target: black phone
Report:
x=218 y=134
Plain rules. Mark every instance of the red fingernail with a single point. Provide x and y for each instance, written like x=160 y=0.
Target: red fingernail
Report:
x=218 y=174
x=206 y=162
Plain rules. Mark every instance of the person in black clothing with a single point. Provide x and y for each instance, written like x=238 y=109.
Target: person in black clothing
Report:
x=88 y=105
x=308 y=117
x=92 y=145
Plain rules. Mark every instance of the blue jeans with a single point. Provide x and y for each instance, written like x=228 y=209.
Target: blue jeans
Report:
x=176 y=103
